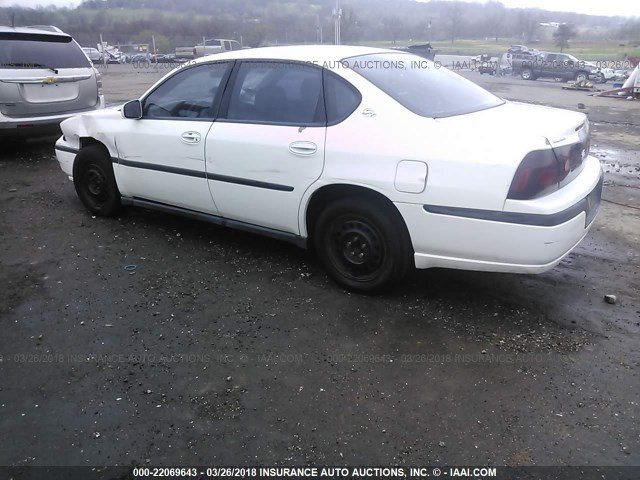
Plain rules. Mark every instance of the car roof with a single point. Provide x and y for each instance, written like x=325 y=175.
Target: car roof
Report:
x=35 y=30
x=321 y=54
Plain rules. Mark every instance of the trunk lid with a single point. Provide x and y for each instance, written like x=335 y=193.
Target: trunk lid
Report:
x=513 y=121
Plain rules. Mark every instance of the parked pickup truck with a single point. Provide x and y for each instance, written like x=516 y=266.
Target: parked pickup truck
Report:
x=423 y=50
x=212 y=46
x=552 y=65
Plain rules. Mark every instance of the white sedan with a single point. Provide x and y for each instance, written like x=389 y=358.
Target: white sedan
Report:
x=376 y=159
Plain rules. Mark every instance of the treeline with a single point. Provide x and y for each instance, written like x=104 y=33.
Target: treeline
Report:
x=255 y=22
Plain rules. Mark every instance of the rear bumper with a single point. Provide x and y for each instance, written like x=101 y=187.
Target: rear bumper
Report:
x=42 y=125
x=529 y=241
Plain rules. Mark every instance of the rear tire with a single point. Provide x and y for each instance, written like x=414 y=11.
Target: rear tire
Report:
x=364 y=245
x=94 y=181
x=527 y=74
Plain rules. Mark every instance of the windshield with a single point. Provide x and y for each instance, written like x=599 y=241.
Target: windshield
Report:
x=40 y=51
x=418 y=85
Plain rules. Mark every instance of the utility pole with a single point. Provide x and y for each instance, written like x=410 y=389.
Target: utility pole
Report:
x=318 y=30
x=103 y=52
x=337 y=13
x=155 y=52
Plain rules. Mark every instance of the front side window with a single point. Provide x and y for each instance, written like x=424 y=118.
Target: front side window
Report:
x=274 y=92
x=24 y=51
x=189 y=94
x=421 y=87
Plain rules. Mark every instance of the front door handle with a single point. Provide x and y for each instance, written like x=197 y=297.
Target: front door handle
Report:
x=191 y=137
x=304 y=149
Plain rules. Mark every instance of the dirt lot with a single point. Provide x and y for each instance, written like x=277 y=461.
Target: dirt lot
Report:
x=227 y=348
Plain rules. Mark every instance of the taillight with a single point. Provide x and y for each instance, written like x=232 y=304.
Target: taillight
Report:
x=544 y=171
x=537 y=174
x=571 y=157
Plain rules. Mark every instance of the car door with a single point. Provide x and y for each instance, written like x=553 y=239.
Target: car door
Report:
x=567 y=67
x=550 y=66
x=162 y=154
x=267 y=147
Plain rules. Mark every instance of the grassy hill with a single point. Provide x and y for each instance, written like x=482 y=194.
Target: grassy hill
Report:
x=453 y=27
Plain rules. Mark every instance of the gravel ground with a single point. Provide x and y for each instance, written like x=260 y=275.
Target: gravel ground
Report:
x=221 y=347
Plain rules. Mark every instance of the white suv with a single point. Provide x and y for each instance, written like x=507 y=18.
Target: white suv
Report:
x=45 y=78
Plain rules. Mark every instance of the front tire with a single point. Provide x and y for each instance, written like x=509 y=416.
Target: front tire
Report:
x=581 y=76
x=94 y=181
x=364 y=245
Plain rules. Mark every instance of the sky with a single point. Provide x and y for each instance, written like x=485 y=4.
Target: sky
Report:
x=590 y=7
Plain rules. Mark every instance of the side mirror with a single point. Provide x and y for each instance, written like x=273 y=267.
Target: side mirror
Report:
x=132 y=109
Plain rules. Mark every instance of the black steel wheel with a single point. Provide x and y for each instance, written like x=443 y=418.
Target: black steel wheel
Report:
x=94 y=181
x=363 y=245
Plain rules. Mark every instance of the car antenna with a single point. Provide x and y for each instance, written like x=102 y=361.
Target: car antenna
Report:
x=13 y=19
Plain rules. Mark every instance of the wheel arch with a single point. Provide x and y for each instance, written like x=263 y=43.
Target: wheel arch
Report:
x=327 y=194
x=85 y=142
x=581 y=72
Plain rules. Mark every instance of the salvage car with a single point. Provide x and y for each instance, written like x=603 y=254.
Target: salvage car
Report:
x=93 y=53
x=339 y=149
x=560 y=66
x=602 y=74
x=45 y=77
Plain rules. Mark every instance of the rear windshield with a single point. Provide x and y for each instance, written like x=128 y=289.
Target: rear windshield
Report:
x=40 y=51
x=418 y=85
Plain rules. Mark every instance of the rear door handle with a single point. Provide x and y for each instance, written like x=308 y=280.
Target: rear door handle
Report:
x=304 y=149
x=191 y=137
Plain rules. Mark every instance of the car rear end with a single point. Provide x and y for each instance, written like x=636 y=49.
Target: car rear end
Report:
x=551 y=197
x=45 y=77
x=504 y=186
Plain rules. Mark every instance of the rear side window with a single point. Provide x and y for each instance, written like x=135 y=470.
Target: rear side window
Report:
x=341 y=98
x=40 y=51
x=277 y=92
